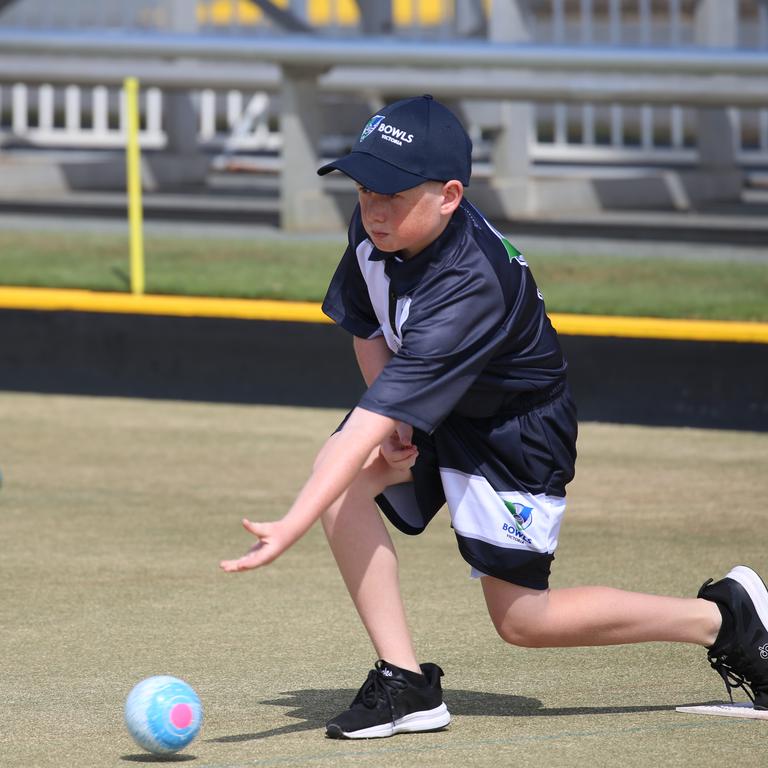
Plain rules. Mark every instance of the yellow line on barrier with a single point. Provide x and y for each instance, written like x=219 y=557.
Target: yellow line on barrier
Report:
x=49 y=299
x=660 y=328
x=152 y=304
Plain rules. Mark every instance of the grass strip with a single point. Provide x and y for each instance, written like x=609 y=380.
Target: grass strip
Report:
x=299 y=270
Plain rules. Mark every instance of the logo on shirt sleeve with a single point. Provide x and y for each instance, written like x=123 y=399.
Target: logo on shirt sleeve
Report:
x=513 y=253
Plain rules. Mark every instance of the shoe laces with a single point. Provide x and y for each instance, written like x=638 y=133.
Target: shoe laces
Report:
x=722 y=663
x=378 y=687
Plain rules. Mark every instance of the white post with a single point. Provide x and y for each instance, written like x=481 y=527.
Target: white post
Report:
x=716 y=25
x=180 y=115
x=375 y=17
x=304 y=204
x=100 y=110
x=182 y=162
x=509 y=24
x=19 y=109
x=510 y=188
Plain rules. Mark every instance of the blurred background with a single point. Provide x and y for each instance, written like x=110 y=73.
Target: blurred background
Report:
x=621 y=144
x=575 y=106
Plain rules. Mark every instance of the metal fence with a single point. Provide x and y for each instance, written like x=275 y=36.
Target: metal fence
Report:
x=239 y=120
x=73 y=116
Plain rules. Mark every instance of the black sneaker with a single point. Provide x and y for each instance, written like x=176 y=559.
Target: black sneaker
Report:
x=740 y=652
x=393 y=700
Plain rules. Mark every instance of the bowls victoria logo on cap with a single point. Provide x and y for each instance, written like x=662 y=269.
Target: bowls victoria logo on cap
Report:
x=371 y=125
x=403 y=145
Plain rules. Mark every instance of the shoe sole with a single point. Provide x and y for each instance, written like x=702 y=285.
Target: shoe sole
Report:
x=416 y=722
x=755 y=588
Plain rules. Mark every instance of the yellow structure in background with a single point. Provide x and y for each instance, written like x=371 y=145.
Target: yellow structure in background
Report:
x=67 y=300
x=133 y=175
x=322 y=12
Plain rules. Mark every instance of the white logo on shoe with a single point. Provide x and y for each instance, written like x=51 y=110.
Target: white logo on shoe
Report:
x=763 y=651
x=389 y=673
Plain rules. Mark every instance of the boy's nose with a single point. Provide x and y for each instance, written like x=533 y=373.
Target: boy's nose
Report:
x=377 y=208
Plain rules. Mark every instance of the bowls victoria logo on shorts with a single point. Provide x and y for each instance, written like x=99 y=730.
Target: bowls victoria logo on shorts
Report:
x=522 y=515
x=522 y=518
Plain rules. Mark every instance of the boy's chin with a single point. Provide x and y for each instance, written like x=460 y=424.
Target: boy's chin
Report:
x=384 y=244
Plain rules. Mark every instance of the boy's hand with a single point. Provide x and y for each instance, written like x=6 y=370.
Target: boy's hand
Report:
x=271 y=543
x=398 y=449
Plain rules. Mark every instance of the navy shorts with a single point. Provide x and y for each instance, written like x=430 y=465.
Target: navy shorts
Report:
x=503 y=478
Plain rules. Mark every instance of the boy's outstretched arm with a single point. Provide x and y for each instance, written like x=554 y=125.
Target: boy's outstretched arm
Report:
x=342 y=460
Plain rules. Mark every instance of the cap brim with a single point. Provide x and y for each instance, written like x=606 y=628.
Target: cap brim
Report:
x=373 y=173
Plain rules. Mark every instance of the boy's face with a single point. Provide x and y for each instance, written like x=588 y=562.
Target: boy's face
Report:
x=409 y=221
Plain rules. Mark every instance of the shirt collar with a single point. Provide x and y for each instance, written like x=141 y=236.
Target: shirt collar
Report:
x=377 y=255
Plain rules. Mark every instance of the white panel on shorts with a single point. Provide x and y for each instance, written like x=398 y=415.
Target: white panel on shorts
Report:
x=507 y=519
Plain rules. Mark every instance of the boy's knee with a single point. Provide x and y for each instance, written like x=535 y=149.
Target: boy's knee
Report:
x=523 y=633
x=521 y=616
x=523 y=637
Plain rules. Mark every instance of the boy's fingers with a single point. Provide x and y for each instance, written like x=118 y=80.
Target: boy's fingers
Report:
x=405 y=459
x=257 y=529
x=234 y=566
x=255 y=557
x=404 y=433
x=251 y=560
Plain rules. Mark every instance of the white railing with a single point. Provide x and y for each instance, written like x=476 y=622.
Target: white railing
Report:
x=48 y=116
x=77 y=117
x=573 y=133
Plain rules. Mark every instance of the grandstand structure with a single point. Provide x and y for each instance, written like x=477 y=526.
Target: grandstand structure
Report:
x=679 y=120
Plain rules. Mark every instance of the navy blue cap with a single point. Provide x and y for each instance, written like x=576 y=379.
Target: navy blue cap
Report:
x=405 y=144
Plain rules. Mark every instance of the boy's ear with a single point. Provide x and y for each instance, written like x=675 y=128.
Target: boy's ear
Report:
x=453 y=192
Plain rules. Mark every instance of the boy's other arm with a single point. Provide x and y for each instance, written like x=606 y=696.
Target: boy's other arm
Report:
x=372 y=355
x=343 y=458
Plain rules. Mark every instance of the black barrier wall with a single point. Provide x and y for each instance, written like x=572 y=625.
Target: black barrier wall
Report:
x=641 y=381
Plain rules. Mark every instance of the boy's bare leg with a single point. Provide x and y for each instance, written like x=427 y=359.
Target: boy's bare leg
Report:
x=368 y=562
x=584 y=616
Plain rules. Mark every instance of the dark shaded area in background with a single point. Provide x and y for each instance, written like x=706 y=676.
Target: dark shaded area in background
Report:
x=640 y=381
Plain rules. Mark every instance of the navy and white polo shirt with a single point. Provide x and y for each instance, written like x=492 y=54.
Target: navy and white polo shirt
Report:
x=473 y=350
x=464 y=318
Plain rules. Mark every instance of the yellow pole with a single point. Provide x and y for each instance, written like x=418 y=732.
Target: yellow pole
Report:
x=133 y=173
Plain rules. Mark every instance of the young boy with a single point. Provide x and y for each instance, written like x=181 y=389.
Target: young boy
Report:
x=467 y=403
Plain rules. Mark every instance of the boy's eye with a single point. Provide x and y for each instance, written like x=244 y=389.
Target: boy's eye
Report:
x=365 y=191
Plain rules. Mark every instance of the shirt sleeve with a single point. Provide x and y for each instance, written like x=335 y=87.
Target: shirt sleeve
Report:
x=347 y=301
x=447 y=342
